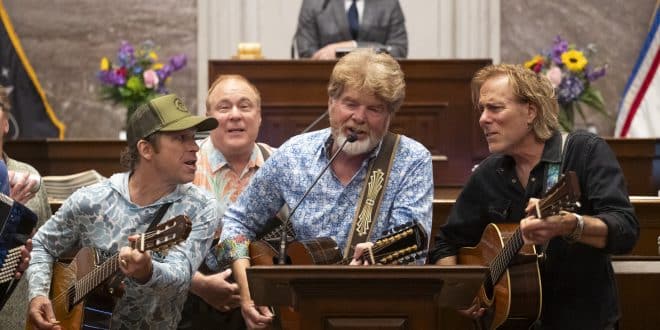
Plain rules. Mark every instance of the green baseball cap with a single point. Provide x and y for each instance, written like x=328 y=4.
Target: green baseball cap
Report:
x=165 y=113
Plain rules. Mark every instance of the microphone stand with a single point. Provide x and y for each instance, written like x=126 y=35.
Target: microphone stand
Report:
x=281 y=259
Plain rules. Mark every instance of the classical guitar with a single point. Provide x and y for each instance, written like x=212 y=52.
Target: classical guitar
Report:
x=79 y=298
x=16 y=225
x=511 y=292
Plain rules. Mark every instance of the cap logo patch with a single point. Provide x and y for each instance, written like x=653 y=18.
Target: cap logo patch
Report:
x=179 y=105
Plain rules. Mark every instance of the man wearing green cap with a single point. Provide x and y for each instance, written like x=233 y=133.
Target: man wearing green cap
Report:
x=160 y=156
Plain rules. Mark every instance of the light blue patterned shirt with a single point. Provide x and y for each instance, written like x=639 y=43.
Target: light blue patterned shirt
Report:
x=329 y=209
x=102 y=216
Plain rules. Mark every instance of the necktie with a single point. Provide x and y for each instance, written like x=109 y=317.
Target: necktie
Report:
x=353 y=23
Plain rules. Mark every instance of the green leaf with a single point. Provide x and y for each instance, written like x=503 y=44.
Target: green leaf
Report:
x=594 y=99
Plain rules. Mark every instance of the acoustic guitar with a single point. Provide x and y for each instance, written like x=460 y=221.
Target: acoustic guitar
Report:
x=79 y=297
x=16 y=225
x=511 y=292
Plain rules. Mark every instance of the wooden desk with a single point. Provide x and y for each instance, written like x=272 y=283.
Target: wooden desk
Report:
x=62 y=157
x=437 y=110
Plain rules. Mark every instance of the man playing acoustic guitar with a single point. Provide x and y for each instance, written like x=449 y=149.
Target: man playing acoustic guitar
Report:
x=161 y=156
x=519 y=117
x=365 y=90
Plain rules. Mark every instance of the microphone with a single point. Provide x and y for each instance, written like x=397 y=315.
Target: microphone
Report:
x=281 y=259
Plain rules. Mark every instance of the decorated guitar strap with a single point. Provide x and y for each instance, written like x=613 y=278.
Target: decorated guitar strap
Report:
x=551 y=178
x=372 y=192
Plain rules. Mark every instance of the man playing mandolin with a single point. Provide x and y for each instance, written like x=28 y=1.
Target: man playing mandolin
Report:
x=161 y=157
x=519 y=117
x=365 y=91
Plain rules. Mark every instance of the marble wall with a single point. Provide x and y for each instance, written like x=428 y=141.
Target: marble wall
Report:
x=65 y=39
x=616 y=27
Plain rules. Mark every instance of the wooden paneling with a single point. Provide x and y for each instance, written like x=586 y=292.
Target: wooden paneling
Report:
x=62 y=157
x=640 y=161
x=437 y=110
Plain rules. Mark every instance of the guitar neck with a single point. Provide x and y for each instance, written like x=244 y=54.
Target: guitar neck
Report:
x=94 y=278
x=100 y=274
x=501 y=262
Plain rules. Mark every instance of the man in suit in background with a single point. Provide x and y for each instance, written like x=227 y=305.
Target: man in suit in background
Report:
x=326 y=25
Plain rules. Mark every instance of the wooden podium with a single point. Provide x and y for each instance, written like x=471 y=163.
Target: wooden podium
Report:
x=372 y=297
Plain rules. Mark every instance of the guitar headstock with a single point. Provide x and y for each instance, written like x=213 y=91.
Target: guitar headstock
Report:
x=563 y=196
x=405 y=245
x=165 y=235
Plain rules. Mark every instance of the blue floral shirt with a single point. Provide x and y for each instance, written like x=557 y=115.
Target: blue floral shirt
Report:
x=102 y=216
x=330 y=207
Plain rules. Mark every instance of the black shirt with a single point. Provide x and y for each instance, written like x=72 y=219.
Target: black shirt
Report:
x=579 y=288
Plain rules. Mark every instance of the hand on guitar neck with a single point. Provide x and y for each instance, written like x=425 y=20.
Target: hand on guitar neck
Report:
x=363 y=254
x=539 y=230
x=135 y=262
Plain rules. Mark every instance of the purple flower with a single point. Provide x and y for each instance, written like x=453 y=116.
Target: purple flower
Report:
x=178 y=61
x=570 y=89
x=126 y=54
x=165 y=72
x=559 y=46
x=595 y=74
x=111 y=77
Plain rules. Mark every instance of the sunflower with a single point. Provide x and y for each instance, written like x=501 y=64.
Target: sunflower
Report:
x=574 y=60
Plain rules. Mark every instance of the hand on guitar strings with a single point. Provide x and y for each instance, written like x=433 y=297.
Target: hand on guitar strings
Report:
x=135 y=264
x=475 y=311
x=362 y=254
x=25 y=259
x=41 y=314
x=540 y=231
x=256 y=317
x=216 y=290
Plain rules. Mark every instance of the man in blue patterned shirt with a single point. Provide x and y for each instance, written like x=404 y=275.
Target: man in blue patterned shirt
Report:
x=365 y=90
x=161 y=156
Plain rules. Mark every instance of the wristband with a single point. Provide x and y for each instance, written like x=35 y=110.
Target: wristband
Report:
x=575 y=235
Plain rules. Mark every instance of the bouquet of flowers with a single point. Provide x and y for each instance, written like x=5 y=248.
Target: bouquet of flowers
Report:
x=570 y=72
x=137 y=76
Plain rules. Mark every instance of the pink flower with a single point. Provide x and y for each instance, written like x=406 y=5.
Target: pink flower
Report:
x=150 y=78
x=554 y=75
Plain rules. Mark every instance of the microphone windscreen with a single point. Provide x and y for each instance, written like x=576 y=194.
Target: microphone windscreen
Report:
x=351 y=137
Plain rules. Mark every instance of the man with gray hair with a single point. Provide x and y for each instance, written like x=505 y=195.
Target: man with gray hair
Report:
x=365 y=91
